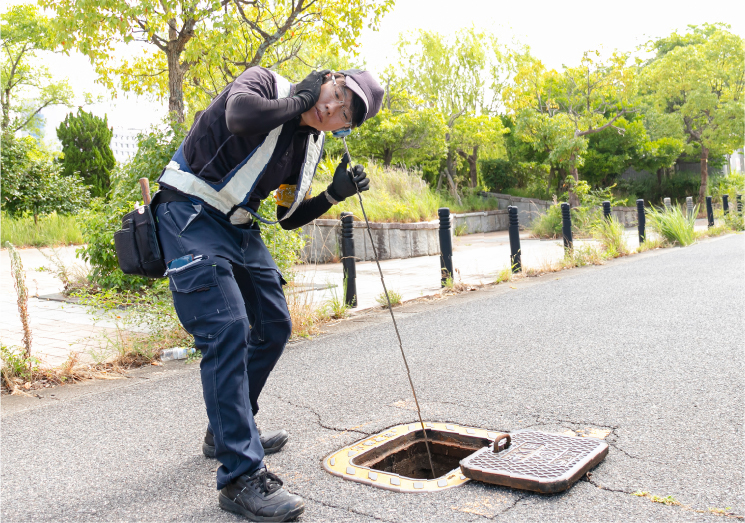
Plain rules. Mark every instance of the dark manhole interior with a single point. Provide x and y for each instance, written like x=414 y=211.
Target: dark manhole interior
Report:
x=407 y=456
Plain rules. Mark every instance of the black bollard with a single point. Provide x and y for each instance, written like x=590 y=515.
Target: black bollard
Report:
x=642 y=219
x=709 y=211
x=348 y=259
x=446 y=246
x=725 y=203
x=515 y=261
x=606 y=210
x=566 y=228
x=739 y=204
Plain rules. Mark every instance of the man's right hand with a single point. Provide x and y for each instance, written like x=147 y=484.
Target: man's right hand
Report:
x=309 y=90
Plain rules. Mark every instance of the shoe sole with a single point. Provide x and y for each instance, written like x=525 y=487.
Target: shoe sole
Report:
x=209 y=450
x=231 y=506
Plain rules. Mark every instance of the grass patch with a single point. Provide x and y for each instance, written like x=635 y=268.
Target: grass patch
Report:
x=504 y=275
x=51 y=231
x=396 y=195
x=673 y=225
x=651 y=244
x=395 y=297
x=667 y=500
x=307 y=318
x=610 y=233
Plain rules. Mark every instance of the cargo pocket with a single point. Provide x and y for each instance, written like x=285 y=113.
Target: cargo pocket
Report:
x=199 y=298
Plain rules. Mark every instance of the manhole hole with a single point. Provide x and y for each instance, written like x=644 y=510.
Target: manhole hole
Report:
x=396 y=459
x=536 y=461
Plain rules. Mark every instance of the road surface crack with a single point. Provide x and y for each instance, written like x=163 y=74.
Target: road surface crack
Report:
x=348 y=509
x=320 y=419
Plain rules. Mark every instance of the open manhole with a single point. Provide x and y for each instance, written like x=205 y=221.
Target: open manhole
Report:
x=396 y=459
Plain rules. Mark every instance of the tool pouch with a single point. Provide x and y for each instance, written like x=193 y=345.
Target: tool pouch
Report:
x=137 y=245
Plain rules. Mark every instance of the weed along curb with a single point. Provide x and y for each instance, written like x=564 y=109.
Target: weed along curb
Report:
x=396 y=459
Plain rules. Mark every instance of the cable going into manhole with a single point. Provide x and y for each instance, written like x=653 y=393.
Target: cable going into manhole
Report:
x=390 y=308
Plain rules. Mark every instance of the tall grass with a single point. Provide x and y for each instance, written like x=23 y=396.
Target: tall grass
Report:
x=610 y=234
x=673 y=224
x=396 y=195
x=51 y=231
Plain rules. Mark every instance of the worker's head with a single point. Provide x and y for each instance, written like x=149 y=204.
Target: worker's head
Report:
x=347 y=99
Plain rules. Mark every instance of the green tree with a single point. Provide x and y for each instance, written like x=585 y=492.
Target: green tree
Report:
x=86 y=140
x=610 y=153
x=32 y=182
x=699 y=78
x=195 y=47
x=572 y=105
x=458 y=77
x=473 y=136
x=404 y=130
x=27 y=88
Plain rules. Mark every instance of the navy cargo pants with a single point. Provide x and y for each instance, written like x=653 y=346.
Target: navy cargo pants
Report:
x=231 y=301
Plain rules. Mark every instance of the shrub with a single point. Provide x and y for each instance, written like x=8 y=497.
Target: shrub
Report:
x=673 y=224
x=32 y=183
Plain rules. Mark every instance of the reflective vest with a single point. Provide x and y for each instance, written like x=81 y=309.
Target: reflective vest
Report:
x=230 y=196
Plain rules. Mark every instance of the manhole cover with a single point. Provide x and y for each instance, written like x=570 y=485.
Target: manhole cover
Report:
x=536 y=461
x=396 y=459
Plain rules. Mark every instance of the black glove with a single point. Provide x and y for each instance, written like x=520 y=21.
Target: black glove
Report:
x=310 y=88
x=346 y=182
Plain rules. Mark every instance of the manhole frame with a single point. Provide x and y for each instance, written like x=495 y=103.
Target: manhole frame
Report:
x=339 y=463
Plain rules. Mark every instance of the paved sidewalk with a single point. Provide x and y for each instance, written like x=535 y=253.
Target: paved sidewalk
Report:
x=59 y=328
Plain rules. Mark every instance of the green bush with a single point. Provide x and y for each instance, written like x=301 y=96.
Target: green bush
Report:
x=677 y=188
x=497 y=175
x=32 y=183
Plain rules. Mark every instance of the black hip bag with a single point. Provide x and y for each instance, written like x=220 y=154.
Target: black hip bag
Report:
x=137 y=247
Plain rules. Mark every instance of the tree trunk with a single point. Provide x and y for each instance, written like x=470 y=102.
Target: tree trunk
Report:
x=472 y=164
x=449 y=170
x=704 y=176
x=439 y=180
x=573 y=199
x=175 y=84
x=387 y=157
x=550 y=177
x=6 y=110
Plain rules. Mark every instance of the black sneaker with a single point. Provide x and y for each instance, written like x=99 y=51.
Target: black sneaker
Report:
x=272 y=442
x=260 y=497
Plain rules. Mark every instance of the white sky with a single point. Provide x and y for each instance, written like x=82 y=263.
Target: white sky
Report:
x=557 y=32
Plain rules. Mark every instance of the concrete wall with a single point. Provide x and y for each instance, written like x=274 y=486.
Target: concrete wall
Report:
x=409 y=240
x=392 y=240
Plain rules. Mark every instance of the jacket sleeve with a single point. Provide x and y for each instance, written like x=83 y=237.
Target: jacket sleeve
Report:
x=251 y=114
x=306 y=212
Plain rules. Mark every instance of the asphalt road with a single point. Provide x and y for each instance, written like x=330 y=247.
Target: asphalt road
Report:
x=649 y=348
